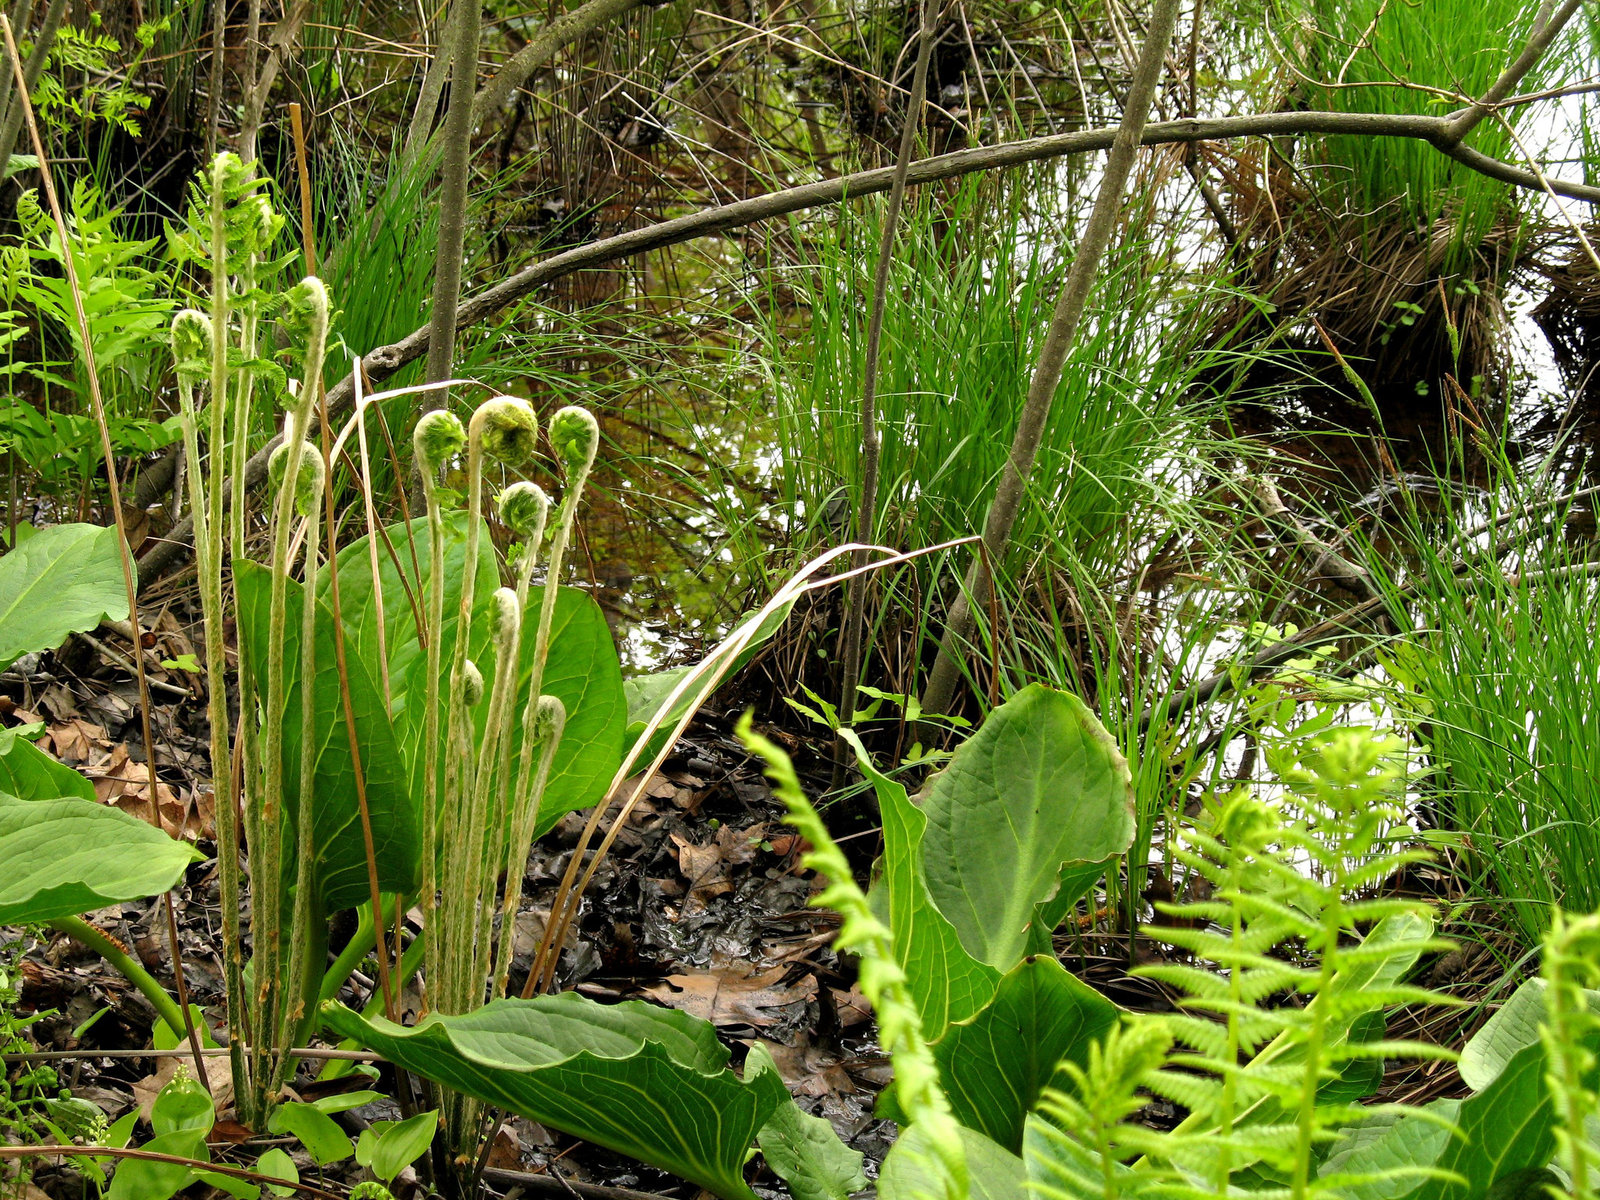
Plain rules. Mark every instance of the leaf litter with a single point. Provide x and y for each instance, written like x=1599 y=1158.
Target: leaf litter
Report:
x=702 y=906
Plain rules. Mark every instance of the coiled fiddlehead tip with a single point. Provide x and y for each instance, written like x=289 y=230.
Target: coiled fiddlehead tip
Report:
x=523 y=508
x=471 y=683
x=507 y=615
x=227 y=172
x=306 y=309
x=439 y=437
x=575 y=437
x=191 y=344
x=309 y=476
x=549 y=719
x=508 y=428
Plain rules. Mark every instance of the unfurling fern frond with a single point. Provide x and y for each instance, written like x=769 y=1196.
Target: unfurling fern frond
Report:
x=883 y=982
x=1082 y=1145
x=1572 y=962
x=1284 y=918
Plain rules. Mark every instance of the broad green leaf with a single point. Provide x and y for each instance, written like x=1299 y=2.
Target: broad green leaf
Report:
x=1380 y=1157
x=344 y=1101
x=64 y=579
x=804 y=1150
x=1513 y=1026
x=1503 y=1133
x=277 y=1163
x=323 y=1140
x=69 y=856
x=639 y=1080
x=1358 y=1078
x=28 y=773
x=993 y=1172
x=244 y=1189
x=182 y=1105
x=1507 y=1127
x=164 y=1037
x=388 y=1147
x=646 y=694
x=74 y=1116
x=946 y=983
x=1039 y=789
x=340 y=850
x=995 y=1065
x=145 y=1179
x=583 y=672
x=403 y=574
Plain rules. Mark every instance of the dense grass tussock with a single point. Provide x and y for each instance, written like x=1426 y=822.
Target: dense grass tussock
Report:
x=1375 y=57
x=1500 y=685
x=968 y=291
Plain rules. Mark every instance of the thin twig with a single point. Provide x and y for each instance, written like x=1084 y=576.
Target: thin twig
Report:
x=1458 y=125
x=309 y=1189
x=255 y=101
x=311 y=1052
x=385 y=361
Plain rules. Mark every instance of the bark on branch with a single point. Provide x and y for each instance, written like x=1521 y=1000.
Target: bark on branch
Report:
x=1058 y=342
x=386 y=360
x=564 y=30
x=1465 y=121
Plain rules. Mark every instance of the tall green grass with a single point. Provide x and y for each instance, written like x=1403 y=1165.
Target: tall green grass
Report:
x=1414 y=57
x=1124 y=500
x=1502 y=678
x=971 y=287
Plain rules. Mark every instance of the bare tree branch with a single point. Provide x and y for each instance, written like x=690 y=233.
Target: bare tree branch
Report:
x=1464 y=122
x=1053 y=351
x=384 y=361
x=442 y=321
x=564 y=30
x=432 y=89
x=255 y=101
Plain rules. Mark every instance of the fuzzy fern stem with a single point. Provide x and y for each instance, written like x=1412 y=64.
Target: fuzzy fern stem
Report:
x=209 y=571
x=311 y=299
x=883 y=981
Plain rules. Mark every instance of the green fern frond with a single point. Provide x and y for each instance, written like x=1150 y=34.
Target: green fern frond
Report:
x=882 y=981
x=1571 y=955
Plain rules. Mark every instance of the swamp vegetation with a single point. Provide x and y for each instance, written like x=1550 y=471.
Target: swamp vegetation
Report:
x=800 y=599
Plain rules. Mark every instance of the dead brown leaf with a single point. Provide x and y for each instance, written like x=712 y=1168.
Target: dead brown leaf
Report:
x=147 y=1089
x=703 y=867
x=505 y=1153
x=708 y=868
x=76 y=740
x=734 y=995
x=851 y=1006
x=125 y=784
x=810 y=1071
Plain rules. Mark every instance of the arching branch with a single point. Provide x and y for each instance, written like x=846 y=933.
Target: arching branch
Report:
x=384 y=361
